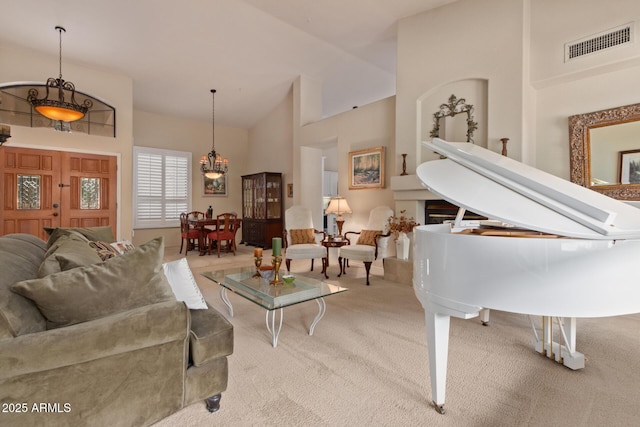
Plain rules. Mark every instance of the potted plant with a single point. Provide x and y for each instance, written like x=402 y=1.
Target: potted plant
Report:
x=400 y=226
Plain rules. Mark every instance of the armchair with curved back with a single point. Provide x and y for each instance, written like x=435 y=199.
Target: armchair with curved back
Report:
x=301 y=239
x=226 y=227
x=372 y=241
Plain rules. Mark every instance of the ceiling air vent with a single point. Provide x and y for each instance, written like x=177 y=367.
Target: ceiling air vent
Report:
x=615 y=37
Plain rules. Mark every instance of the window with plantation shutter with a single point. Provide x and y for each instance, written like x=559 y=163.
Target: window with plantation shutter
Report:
x=162 y=187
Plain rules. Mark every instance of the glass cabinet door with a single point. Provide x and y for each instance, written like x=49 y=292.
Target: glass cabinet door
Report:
x=259 y=196
x=274 y=202
x=247 y=198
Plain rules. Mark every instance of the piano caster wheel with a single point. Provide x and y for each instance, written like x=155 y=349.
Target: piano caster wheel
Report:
x=439 y=408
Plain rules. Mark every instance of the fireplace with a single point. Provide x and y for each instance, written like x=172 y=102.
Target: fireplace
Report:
x=439 y=211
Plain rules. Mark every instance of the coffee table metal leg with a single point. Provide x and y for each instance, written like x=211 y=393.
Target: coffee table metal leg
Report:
x=271 y=318
x=322 y=307
x=225 y=299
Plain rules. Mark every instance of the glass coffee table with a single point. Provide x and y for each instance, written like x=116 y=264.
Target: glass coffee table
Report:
x=273 y=298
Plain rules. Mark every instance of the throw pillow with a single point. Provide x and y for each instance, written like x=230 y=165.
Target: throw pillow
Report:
x=302 y=235
x=368 y=237
x=109 y=250
x=123 y=246
x=104 y=250
x=75 y=252
x=98 y=290
x=183 y=284
x=104 y=233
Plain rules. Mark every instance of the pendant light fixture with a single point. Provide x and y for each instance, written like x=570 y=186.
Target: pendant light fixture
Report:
x=212 y=164
x=56 y=107
x=5 y=133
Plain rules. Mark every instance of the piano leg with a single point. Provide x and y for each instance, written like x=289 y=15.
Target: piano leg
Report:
x=570 y=331
x=438 y=342
x=563 y=352
x=484 y=316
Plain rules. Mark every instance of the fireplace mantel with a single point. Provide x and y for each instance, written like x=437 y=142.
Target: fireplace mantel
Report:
x=408 y=188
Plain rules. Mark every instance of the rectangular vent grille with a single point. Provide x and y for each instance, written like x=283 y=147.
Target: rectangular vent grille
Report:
x=608 y=39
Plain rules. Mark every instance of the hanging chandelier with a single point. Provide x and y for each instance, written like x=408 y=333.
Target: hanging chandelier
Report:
x=56 y=108
x=212 y=164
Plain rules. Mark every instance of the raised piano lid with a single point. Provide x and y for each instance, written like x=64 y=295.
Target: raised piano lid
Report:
x=510 y=191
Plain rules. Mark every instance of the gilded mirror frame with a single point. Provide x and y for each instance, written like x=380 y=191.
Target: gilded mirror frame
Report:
x=580 y=148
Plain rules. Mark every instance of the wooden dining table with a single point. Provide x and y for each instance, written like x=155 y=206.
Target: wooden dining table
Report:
x=205 y=226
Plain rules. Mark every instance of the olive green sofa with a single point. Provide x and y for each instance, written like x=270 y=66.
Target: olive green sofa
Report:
x=101 y=343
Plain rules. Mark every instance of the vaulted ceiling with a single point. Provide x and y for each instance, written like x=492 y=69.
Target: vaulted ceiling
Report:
x=249 y=50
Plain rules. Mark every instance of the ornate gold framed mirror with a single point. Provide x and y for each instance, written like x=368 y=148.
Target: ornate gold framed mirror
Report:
x=599 y=147
x=451 y=109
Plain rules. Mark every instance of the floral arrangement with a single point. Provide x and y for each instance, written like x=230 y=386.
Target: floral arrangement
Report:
x=401 y=224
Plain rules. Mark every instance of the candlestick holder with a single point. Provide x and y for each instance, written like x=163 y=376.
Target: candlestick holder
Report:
x=504 y=145
x=404 y=165
x=275 y=262
x=258 y=262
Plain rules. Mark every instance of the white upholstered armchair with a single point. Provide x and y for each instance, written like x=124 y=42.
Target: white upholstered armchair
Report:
x=371 y=243
x=302 y=239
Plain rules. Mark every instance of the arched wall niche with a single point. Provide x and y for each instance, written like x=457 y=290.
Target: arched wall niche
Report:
x=474 y=92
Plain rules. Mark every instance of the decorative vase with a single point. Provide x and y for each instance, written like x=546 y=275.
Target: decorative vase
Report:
x=402 y=246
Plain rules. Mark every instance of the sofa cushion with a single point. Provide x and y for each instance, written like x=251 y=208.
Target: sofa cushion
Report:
x=53 y=245
x=104 y=233
x=183 y=284
x=97 y=290
x=20 y=257
x=368 y=237
x=301 y=236
x=5 y=329
x=69 y=260
x=211 y=336
x=68 y=252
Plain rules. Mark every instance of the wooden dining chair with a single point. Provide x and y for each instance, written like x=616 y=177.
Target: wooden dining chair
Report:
x=188 y=232
x=225 y=232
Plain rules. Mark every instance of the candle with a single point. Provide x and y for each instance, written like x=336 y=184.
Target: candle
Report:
x=276 y=246
x=257 y=252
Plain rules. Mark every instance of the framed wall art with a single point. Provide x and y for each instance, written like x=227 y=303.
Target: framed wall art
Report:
x=214 y=186
x=366 y=168
x=630 y=167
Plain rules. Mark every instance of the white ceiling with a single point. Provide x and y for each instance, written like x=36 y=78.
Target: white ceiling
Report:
x=249 y=50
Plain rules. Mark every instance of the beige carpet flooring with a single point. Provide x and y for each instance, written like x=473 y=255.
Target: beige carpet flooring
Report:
x=366 y=364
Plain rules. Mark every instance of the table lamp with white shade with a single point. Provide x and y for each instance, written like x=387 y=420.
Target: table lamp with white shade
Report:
x=338 y=205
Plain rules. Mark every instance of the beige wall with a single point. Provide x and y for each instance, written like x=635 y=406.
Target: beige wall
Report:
x=517 y=46
x=20 y=65
x=153 y=130
x=270 y=144
x=290 y=141
x=599 y=81
x=468 y=39
x=368 y=126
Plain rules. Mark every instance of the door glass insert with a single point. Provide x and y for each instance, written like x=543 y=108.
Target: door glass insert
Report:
x=29 y=191
x=89 y=193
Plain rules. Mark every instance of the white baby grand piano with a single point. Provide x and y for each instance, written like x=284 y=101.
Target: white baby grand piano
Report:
x=561 y=251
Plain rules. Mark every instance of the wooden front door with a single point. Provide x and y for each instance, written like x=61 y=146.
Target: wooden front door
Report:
x=45 y=188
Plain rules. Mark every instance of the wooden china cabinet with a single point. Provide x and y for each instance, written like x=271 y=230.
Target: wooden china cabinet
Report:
x=262 y=208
